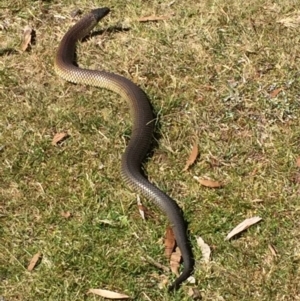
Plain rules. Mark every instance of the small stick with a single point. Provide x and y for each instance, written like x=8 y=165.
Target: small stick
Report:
x=155 y=263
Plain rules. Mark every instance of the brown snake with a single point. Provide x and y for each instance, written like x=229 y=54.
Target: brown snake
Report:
x=142 y=130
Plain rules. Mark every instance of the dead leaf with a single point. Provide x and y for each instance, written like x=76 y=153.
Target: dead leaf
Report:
x=59 y=137
x=272 y=8
x=142 y=209
x=257 y=201
x=208 y=88
x=291 y=21
x=146 y=296
x=275 y=92
x=208 y=183
x=169 y=242
x=153 y=18
x=107 y=294
x=164 y=280
x=27 y=34
x=33 y=262
x=243 y=226
x=66 y=214
x=194 y=293
x=295 y=178
x=106 y=222
x=273 y=250
x=298 y=162
x=192 y=158
x=175 y=261
x=191 y=280
x=205 y=249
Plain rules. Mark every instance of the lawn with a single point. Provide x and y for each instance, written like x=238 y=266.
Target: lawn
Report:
x=222 y=74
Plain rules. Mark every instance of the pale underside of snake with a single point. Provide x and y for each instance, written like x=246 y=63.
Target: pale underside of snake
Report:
x=142 y=130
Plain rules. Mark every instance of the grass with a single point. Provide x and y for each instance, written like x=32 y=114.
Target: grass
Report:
x=209 y=70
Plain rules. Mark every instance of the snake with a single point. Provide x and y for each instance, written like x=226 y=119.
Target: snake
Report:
x=143 y=124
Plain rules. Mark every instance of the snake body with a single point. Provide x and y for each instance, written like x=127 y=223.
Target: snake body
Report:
x=142 y=130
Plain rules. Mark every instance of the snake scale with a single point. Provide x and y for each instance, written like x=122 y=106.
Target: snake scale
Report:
x=142 y=129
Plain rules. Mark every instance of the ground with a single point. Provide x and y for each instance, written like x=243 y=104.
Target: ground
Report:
x=223 y=74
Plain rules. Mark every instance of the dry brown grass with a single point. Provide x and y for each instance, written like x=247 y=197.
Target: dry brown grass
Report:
x=210 y=71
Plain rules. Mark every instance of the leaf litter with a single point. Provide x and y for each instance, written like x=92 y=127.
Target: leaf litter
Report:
x=59 y=138
x=208 y=183
x=34 y=261
x=243 y=226
x=170 y=242
x=205 y=249
x=175 y=261
x=192 y=158
x=27 y=35
x=194 y=293
x=272 y=250
x=275 y=92
x=142 y=208
x=108 y=294
x=298 y=162
x=291 y=21
x=66 y=214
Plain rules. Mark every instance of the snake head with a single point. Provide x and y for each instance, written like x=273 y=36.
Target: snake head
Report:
x=100 y=13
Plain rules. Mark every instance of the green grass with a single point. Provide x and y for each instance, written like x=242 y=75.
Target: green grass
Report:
x=209 y=71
